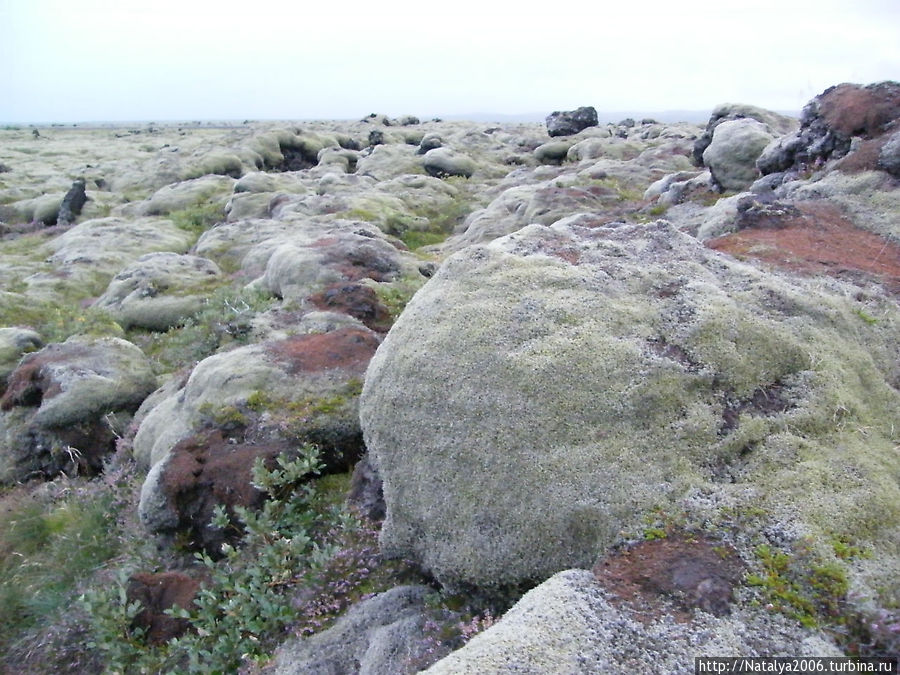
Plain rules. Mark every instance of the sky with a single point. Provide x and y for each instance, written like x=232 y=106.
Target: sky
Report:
x=156 y=60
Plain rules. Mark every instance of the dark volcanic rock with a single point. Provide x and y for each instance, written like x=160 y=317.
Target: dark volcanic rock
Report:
x=831 y=120
x=568 y=122
x=367 y=490
x=889 y=157
x=72 y=203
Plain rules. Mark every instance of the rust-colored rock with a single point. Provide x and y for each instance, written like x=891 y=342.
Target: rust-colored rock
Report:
x=854 y=110
x=157 y=593
x=208 y=470
x=681 y=570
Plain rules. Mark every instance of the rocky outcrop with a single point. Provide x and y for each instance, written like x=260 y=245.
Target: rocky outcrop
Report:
x=72 y=203
x=569 y=122
x=830 y=122
x=559 y=383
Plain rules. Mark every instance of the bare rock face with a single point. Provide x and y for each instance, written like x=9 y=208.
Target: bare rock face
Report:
x=72 y=203
x=568 y=122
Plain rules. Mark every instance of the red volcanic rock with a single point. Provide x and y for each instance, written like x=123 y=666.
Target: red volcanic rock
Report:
x=680 y=570
x=853 y=110
x=208 y=470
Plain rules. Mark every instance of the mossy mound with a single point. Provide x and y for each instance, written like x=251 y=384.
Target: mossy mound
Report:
x=545 y=392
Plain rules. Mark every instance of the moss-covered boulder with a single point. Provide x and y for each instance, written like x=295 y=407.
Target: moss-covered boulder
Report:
x=186 y=194
x=543 y=394
x=64 y=404
x=571 y=624
x=254 y=401
x=15 y=343
x=159 y=290
x=91 y=253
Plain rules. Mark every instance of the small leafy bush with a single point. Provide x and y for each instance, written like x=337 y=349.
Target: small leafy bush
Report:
x=242 y=609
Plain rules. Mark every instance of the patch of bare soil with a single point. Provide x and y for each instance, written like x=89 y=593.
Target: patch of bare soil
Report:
x=816 y=238
x=673 y=575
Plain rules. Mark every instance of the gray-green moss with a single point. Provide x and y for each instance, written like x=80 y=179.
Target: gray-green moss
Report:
x=542 y=407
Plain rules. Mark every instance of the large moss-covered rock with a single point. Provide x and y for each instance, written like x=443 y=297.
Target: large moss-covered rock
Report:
x=732 y=154
x=159 y=290
x=93 y=251
x=542 y=394
x=185 y=194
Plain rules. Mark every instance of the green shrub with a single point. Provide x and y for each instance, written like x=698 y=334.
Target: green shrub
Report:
x=243 y=607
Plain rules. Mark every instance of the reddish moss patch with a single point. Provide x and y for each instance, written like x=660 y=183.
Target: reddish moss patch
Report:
x=672 y=576
x=357 y=301
x=157 y=593
x=864 y=158
x=348 y=349
x=358 y=258
x=208 y=470
x=31 y=381
x=815 y=238
x=852 y=110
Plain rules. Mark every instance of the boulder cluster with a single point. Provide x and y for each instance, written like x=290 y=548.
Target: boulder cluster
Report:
x=611 y=365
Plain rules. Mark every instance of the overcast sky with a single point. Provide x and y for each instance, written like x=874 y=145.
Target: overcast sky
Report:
x=156 y=60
